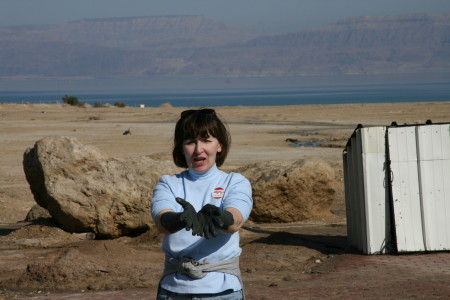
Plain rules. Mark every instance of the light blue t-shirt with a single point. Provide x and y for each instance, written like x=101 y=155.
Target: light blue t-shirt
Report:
x=214 y=187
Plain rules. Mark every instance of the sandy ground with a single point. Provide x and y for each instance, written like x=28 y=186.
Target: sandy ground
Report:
x=41 y=258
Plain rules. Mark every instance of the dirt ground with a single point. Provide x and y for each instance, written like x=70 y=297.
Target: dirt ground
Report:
x=39 y=257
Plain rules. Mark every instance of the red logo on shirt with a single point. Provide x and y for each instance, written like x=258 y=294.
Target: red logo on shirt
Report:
x=218 y=193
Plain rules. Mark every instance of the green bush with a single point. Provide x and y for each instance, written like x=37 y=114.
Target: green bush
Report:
x=72 y=100
x=119 y=104
x=99 y=104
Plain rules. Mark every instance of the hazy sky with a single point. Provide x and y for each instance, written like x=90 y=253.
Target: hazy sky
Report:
x=267 y=15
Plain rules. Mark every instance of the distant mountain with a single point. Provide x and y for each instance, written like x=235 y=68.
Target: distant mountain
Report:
x=147 y=33
x=198 y=46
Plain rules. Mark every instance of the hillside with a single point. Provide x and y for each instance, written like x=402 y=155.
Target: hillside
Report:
x=198 y=46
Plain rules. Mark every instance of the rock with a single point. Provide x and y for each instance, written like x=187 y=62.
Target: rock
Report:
x=85 y=235
x=85 y=190
x=37 y=212
x=127 y=132
x=166 y=104
x=290 y=191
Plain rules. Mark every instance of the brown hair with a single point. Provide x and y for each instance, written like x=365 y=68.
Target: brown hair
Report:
x=199 y=123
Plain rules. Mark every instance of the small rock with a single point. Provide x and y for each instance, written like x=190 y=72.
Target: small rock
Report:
x=127 y=132
x=37 y=212
x=85 y=235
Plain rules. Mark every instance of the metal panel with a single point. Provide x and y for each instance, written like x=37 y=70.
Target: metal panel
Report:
x=349 y=197
x=353 y=206
x=360 y=202
x=376 y=191
x=405 y=189
x=433 y=143
x=365 y=190
x=353 y=211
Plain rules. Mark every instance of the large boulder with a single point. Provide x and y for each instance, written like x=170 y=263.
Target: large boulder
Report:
x=290 y=191
x=85 y=190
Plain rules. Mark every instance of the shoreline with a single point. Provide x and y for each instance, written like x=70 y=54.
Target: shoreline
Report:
x=245 y=92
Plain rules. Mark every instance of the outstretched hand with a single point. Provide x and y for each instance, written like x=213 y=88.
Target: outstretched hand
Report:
x=206 y=223
x=211 y=219
x=189 y=215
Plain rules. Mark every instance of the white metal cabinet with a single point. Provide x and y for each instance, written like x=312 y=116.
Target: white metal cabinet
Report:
x=399 y=174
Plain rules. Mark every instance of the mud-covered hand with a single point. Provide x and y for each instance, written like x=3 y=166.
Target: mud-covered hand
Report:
x=189 y=215
x=173 y=221
x=212 y=219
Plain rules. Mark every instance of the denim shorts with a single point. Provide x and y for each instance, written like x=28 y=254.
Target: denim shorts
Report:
x=226 y=295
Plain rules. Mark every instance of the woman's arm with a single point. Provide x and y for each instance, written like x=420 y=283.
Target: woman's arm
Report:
x=238 y=220
x=158 y=221
x=169 y=221
x=239 y=202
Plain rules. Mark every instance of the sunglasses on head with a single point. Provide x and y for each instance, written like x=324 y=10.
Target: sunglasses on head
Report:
x=203 y=111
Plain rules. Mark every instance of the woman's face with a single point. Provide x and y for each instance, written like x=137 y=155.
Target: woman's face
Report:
x=201 y=153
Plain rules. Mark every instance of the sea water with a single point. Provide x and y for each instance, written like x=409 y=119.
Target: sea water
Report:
x=225 y=92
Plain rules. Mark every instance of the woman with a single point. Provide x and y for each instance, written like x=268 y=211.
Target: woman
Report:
x=201 y=211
